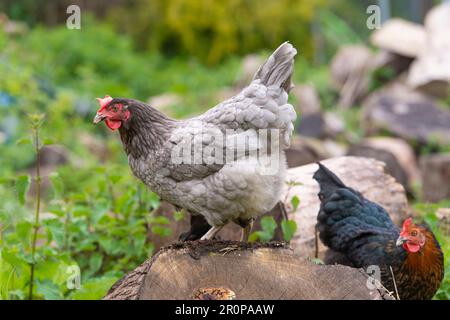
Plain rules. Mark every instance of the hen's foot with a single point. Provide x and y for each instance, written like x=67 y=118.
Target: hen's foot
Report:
x=211 y=233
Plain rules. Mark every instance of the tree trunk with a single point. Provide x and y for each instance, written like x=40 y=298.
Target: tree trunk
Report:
x=209 y=270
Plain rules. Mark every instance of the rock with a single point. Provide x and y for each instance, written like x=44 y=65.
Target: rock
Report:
x=400 y=36
x=334 y=149
x=431 y=71
x=435 y=177
x=407 y=114
x=203 y=270
x=362 y=174
x=304 y=151
x=334 y=124
x=320 y=125
x=164 y=101
x=395 y=62
x=443 y=215
x=312 y=125
x=53 y=155
x=308 y=100
x=398 y=156
x=95 y=145
x=250 y=64
x=350 y=69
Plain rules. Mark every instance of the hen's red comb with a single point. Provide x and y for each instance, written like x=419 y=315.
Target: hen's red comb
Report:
x=103 y=102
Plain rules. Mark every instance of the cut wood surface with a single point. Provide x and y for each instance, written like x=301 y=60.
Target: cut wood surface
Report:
x=201 y=270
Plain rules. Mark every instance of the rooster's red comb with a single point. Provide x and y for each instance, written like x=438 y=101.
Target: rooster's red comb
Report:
x=407 y=224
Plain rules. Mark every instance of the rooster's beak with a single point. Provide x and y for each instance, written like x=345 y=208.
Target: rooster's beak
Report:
x=400 y=241
x=98 y=118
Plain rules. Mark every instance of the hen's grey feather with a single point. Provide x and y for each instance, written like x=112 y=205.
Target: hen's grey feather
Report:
x=238 y=186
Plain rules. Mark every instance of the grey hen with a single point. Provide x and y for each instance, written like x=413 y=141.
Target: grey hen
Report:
x=227 y=164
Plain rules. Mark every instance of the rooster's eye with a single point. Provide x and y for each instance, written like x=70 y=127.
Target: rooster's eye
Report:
x=114 y=108
x=414 y=233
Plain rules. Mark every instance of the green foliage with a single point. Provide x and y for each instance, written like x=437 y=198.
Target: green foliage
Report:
x=295 y=201
x=268 y=227
x=22 y=185
x=214 y=31
x=288 y=227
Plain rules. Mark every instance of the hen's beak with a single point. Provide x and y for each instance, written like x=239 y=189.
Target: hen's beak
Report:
x=98 y=118
x=401 y=240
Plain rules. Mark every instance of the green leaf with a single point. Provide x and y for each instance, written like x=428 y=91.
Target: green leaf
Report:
x=57 y=184
x=268 y=224
x=161 y=220
x=317 y=261
x=48 y=290
x=56 y=228
x=22 y=186
x=106 y=244
x=16 y=294
x=288 y=227
x=295 y=201
x=23 y=231
x=114 y=178
x=178 y=215
x=23 y=141
x=15 y=259
x=48 y=141
x=263 y=236
x=95 y=262
x=253 y=237
x=154 y=200
x=161 y=231
x=94 y=289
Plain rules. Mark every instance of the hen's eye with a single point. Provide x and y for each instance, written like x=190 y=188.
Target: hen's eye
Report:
x=114 y=108
x=414 y=233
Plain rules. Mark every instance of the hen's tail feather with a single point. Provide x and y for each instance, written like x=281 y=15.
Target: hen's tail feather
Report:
x=277 y=70
x=327 y=180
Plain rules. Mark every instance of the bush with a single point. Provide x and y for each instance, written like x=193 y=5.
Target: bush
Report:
x=213 y=30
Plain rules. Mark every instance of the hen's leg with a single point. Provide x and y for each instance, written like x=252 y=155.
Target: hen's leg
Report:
x=211 y=233
x=247 y=230
x=199 y=227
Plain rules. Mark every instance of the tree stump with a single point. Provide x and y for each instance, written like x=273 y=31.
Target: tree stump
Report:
x=202 y=271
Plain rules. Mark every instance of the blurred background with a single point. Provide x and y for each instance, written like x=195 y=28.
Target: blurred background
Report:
x=360 y=90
